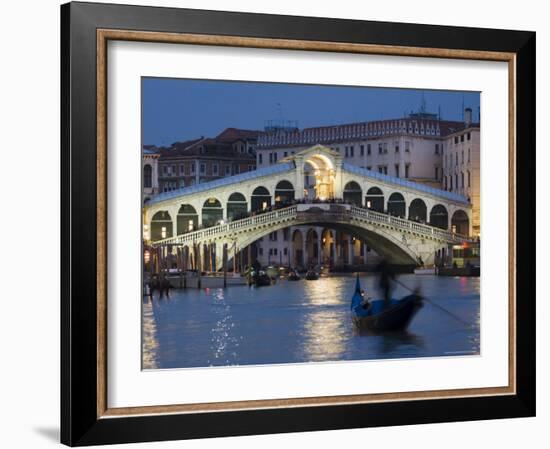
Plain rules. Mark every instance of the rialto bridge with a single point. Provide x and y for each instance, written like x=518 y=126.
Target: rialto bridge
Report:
x=401 y=220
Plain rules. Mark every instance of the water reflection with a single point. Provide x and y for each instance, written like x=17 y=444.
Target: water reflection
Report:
x=305 y=321
x=149 y=336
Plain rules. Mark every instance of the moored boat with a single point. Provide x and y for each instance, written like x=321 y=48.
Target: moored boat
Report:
x=312 y=275
x=293 y=276
x=376 y=316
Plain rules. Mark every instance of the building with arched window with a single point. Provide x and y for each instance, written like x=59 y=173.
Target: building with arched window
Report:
x=149 y=168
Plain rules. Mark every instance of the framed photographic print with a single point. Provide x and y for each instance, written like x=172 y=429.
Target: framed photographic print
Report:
x=277 y=224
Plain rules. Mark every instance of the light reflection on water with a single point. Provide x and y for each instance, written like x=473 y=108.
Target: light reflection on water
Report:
x=302 y=321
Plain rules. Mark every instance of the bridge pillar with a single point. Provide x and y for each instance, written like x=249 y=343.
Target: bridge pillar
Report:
x=299 y=178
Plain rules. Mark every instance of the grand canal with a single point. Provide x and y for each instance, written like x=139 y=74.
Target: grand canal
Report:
x=303 y=321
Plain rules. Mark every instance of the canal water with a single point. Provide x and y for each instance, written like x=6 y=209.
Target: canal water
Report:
x=303 y=321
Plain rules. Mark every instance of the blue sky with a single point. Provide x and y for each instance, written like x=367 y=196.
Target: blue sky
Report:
x=181 y=109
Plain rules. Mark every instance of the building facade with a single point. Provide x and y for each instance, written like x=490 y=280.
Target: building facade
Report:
x=206 y=159
x=149 y=169
x=416 y=148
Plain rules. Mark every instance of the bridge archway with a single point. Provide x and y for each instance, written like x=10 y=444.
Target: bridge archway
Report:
x=297 y=248
x=396 y=205
x=439 y=217
x=353 y=194
x=212 y=212
x=375 y=199
x=460 y=222
x=284 y=193
x=237 y=207
x=260 y=199
x=319 y=177
x=418 y=211
x=187 y=219
x=312 y=247
x=327 y=246
x=161 y=226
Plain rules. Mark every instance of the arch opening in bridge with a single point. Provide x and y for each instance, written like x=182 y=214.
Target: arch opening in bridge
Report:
x=212 y=212
x=327 y=246
x=439 y=217
x=319 y=177
x=237 y=207
x=396 y=205
x=375 y=199
x=161 y=226
x=418 y=211
x=187 y=219
x=353 y=194
x=284 y=193
x=260 y=199
x=297 y=248
x=460 y=222
x=312 y=247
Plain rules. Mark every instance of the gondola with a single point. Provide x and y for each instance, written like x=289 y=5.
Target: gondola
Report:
x=261 y=279
x=312 y=275
x=294 y=276
x=375 y=316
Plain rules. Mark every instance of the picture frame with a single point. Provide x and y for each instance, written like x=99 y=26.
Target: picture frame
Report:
x=86 y=28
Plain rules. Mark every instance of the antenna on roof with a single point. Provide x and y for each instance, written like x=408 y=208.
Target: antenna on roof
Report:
x=439 y=112
x=423 y=103
x=462 y=107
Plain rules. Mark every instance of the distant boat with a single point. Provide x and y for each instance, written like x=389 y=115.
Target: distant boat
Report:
x=312 y=275
x=375 y=316
x=294 y=276
x=261 y=279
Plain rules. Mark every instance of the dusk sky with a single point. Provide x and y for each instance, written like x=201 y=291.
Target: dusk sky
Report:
x=180 y=109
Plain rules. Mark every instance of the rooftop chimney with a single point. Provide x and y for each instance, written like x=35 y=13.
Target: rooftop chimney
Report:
x=467 y=116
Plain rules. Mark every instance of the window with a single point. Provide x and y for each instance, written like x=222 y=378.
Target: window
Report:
x=273 y=236
x=385 y=148
x=242 y=148
x=228 y=168
x=469 y=180
x=369 y=167
x=203 y=169
x=164 y=170
x=338 y=149
x=397 y=147
x=407 y=147
x=380 y=169
x=362 y=150
x=456 y=158
x=368 y=149
x=182 y=169
x=271 y=158
x=347 y=154
x=462 y=156
x=174 y=170
x=275 y=157
x=380 y=148
x=468 y=136
x=462 y=138
x=436 y=148
x=451 y=183
x=351 y=149
x=285 y=251
x=468 y=155
x=407 y=166
x=436 y=172
x=286 y=234
x=456 y=180
x=260 y=159
x=215 y=169
x=456 y=140
x=250 y=168
x=445 y=183
x=286 y=154
x=462 y=179
x=147 y=176
x=192 y=167
x=275 y=251
x=260 y=251
x=385 y=169
x=397 y=170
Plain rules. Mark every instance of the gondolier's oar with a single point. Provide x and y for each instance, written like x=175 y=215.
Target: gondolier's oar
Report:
x=443 y=309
